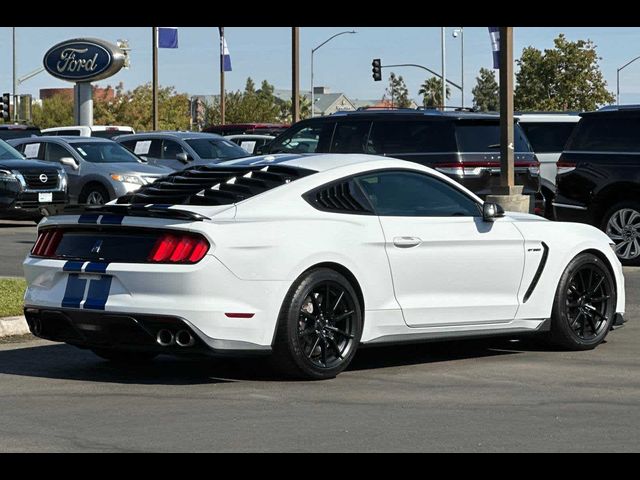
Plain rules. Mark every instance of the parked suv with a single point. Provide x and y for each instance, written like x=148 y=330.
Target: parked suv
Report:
x=9 y=131
x=463 y=145
x=102 y=131
x=29 y=189
x=178 y=150
x=548 y=133
x=98 y=169
x=598 y=179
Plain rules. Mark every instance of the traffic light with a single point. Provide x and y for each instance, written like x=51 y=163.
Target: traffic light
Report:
x=376 y=69
x=5 y=106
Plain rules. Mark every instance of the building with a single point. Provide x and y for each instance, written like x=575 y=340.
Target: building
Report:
x=326 y=102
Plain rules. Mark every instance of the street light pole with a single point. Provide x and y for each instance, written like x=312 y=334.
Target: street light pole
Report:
x=455 y=33
x=444 y=73
x=618 y=78
x=313 y=50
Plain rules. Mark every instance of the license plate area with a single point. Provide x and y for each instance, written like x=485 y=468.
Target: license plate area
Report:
x=45 y=197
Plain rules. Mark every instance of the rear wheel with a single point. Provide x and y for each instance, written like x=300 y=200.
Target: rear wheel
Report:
x=320 y=326
x=622 y=224
x=584 y=305
x=124 y=356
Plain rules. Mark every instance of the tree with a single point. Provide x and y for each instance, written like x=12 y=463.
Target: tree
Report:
x=398 y=91
x=55 y=111
x=486 y=94
x=566 y=77
x=431 y=91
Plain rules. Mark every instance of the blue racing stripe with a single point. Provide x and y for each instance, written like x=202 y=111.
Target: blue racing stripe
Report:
x=111 y=219
x=88 y=218
x=96 y=267
x=74 y=292
x=98 y=293
x=72 y=266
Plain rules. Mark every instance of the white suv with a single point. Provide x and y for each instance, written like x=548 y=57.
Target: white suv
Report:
x=102 y=131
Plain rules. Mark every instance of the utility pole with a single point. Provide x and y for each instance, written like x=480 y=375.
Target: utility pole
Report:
x=154 y=93
x=295 y=74
x=444 y=68
x=507 y=194
x=14 y=92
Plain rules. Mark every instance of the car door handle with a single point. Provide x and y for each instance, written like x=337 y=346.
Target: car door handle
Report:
x=406 y=242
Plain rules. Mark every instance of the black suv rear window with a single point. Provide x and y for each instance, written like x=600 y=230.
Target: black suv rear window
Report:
x=548 y=137
x=485 y=137
x=606 y=133
x=391 y=137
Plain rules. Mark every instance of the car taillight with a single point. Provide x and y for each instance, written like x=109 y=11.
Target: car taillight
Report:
x=478 y=168
x=172 y=248
x=47 y=243
x=565 y=167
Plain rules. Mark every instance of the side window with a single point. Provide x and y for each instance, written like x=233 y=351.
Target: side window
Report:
x=410 y=194
x=390 y=137
x=54 y=152
x=313 y=138
x=68 y=133
x=170 y=149
x=351 y=137
x=33 y=150
x=548 y=137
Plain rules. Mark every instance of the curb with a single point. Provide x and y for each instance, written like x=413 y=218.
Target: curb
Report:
x=10 y=326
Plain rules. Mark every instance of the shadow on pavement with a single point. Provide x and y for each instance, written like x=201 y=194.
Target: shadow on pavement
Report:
x=17 y=224
x=61 y=361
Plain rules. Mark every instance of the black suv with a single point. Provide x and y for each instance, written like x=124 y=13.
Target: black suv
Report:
x=29 y=189
x=9 y=131
x=598 y=179
x=463 y=145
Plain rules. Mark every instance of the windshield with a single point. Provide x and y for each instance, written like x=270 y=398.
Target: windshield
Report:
x=224 y=149
x=104 y=152
x=7 y=152
x=485 y=137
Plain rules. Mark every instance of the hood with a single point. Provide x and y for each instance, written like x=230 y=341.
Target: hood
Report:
x=18 y=163
x=133 y=168
x=525 y=217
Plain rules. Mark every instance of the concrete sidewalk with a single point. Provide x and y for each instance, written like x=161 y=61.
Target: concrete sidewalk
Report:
x=10 y=326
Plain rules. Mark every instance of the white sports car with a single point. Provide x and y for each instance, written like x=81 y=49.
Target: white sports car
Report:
x=306 y=257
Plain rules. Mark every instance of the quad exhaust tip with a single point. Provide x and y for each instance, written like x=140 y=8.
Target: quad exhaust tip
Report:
x=185 y=339
x=165 y=338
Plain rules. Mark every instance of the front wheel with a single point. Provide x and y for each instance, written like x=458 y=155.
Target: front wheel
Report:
x=319 y=326
x=584 y=305
x=94 y=195
x=622 y=224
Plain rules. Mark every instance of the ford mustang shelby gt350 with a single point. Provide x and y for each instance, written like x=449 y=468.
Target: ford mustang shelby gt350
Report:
x=306 y=257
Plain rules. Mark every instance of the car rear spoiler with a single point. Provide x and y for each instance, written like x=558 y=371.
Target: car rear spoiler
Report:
x=158 y=211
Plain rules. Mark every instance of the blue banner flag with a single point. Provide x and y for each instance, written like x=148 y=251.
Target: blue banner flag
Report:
x=494 y=33
x=225 y=58
x=167 y=37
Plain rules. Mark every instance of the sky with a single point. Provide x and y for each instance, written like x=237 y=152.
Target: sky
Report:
x=342 y=65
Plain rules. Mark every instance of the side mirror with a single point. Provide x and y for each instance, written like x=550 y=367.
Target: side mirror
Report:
x=491 y=211
x=69 y=162
x=183 y=157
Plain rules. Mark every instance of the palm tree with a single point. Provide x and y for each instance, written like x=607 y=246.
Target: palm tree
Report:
x=431 y=90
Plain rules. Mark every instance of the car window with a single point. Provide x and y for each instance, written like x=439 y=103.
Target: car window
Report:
x=351 y=137
x=54 y=152
x=485 y=137
x=108 y=133
x=606 y=133
x=410 y=194
x=104 y=152
x=548 y=137
x=210 y=148
x=7 y=152
x=66 y=133
x=391 y=137
x=314 y=138
x=170 y=149
x=143 y=147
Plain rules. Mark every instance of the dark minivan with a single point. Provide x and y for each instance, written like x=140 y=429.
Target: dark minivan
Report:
x=598 y=179
x=463 y=145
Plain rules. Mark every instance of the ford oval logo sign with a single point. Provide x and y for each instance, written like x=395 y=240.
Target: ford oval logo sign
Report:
x=83 y=60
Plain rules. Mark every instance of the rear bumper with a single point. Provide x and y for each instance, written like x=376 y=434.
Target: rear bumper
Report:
x=129 y=331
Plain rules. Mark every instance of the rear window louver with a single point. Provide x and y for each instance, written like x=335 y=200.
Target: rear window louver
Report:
x=343 y=197
x=214 y=185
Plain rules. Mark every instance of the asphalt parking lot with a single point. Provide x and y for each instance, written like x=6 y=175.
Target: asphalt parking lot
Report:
x=16 y=240
x=490 y=395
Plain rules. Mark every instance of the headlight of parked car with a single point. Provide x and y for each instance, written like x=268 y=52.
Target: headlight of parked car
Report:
x=7 y=176
x=128 y=178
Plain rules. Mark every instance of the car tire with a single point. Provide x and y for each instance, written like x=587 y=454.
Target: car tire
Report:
x=91 y=195
x=584 y=305
x=622 y=223
x=124 y=356
x=319 y=326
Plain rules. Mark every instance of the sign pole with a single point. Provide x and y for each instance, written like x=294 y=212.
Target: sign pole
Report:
x=295 y=74
x=222 y=99
x=154 y=93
